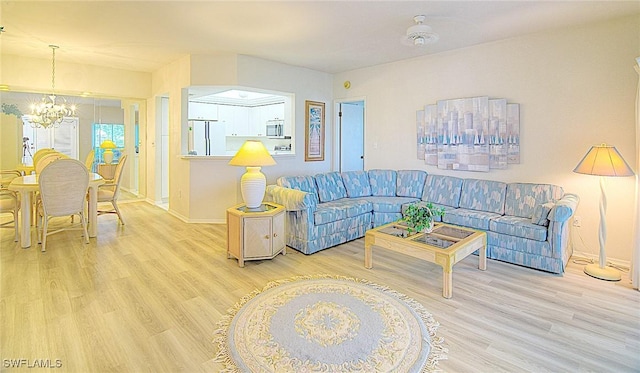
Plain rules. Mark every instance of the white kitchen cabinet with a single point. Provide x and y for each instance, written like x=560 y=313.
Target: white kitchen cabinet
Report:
x=236 y=119
x=261 y=114
x=202 y=110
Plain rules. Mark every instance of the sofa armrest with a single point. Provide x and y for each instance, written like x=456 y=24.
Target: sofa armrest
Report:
x=564 y=208
x=291 y=199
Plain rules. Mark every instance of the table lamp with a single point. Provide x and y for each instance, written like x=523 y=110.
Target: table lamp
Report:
x=108 y=147
x=603 y=160
x=252 y=155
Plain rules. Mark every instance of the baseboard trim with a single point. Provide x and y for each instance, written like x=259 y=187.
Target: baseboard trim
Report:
x=616 y=262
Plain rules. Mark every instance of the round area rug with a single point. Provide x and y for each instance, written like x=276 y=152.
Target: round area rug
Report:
x=328 y=324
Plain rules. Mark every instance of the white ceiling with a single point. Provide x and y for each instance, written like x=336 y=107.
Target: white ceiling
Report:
x=330 y=36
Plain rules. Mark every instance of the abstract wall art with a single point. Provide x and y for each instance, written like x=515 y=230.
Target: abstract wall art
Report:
x=469 y=134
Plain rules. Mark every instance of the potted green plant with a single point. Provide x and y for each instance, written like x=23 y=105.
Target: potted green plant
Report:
x=420 y=216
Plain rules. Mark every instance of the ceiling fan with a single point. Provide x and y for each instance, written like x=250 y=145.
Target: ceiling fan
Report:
x=419 y=34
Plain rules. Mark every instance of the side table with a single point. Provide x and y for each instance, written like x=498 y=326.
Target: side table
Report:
x=254 y=234
x=107 y=170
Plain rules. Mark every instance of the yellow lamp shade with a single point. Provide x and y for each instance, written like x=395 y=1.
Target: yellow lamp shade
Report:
x=107 y=155
x=252 y=153
x=108 y=144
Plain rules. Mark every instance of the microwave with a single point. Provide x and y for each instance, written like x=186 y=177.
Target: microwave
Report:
x=274 y=130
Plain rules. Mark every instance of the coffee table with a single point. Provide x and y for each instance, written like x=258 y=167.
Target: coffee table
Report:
x=446 y=245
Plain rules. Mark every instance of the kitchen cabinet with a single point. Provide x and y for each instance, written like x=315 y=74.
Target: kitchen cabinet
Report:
x=259 y=116
x=239 y=120
x=236 y=119
x=202 y=110
x=255 y=234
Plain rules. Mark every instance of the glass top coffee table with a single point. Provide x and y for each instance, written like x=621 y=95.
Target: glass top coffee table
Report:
x=446 y=245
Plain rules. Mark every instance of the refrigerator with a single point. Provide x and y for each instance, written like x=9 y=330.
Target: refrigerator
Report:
x=207 y=137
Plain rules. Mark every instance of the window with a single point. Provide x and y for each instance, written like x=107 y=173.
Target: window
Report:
x=107 y=131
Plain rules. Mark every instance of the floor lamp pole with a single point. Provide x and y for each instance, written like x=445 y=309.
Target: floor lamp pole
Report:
x=601 y=270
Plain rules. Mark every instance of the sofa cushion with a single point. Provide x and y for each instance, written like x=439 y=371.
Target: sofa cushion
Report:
x=442 y=190
x=522 y=198
x=351 y=206
x=327 y=213
x=383 y=182
x=330 y=186
x=517 y=226
x=303 y=183
x=410 y=183
x=518 y=244
x=389 y=204
x=470 y=218
x=541 y=214
x=356 y=183
x=483 y=195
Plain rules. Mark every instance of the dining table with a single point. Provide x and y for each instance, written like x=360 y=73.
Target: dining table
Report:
x=27 y=185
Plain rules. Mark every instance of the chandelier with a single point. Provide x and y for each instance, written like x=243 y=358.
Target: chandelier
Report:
x=47 y=112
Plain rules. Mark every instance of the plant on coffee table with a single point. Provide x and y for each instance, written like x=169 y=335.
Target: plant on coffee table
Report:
x=420 y=216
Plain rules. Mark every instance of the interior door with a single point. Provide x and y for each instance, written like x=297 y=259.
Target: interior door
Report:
x=351 y=136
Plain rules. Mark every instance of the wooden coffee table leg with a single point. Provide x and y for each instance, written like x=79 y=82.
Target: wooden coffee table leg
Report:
x=482 y=258
x=447 y=281
x=368 y=252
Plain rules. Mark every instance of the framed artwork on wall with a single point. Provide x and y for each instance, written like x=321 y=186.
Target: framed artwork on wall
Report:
x=469 y=134
x=314 y=131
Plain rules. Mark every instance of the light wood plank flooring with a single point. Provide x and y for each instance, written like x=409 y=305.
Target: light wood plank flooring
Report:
x=146 y=297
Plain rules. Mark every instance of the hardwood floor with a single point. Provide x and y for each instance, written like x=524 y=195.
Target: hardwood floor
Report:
x=146 y=297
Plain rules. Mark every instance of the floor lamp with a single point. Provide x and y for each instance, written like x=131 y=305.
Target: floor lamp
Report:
x=603 y=160
x=252 y=155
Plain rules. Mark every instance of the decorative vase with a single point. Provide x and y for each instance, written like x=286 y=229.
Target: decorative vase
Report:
x=108 y=156
x=428 y=228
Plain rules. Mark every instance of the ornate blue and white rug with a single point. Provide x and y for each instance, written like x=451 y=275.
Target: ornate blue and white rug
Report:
x=328 y=324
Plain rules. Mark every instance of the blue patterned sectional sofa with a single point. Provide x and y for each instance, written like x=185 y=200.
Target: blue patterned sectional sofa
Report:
x=526 y=224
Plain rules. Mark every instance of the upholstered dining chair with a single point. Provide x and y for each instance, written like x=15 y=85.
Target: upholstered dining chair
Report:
x=46 y=160
x=111 y=191
x=63 y=189
x=88 y=162
x=9 y=202
x=41 y=153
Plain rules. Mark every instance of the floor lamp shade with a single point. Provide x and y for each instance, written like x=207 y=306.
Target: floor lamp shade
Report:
x=252 y=155
x=603 y=160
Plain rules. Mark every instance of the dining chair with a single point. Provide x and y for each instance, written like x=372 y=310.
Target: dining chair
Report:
x=111 y=191
x=88 y=162
x=63 y=188
x=9 y=202
x=46 y=160
x=39 y=154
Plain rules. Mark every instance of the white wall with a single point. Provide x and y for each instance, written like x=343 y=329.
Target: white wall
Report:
x=207 y=187
x=34 y=75
x=576 y=88
x=24 y=74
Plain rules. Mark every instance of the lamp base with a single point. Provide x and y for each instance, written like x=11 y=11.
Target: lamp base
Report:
x=606 y=273
x=252 y=185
